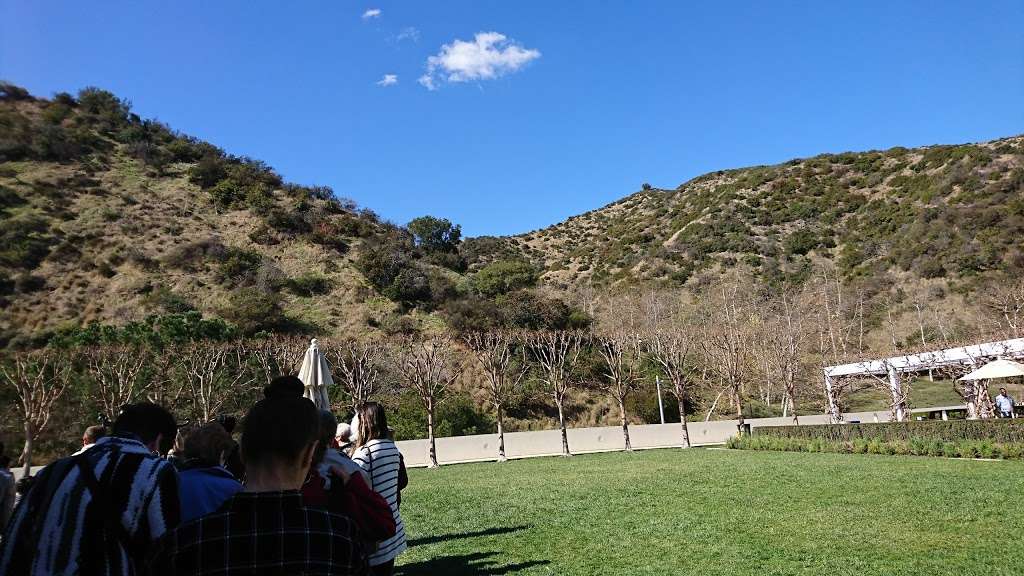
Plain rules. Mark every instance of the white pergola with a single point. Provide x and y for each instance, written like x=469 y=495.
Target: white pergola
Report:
x=892 y=369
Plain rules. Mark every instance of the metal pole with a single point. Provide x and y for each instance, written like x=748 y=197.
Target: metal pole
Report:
x=661 y=408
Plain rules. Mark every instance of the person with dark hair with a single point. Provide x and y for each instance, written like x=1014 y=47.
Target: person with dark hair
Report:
x=377 y=454
x=228 y=422
x=266 y=528
x=7 y=490
x=284 y=387
x=98 y=512
x=203 y=482
x=91 y=435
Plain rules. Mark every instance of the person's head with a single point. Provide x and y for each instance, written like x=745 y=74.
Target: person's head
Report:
x=93 y=433
x=373 y=423
x=208 y=444
x=342 y=434
x=21 y=487
x=328 y=425
x=1002 y=391
x=279 y=437
x=284 y=387
x=5 y=461
x=152 y=424
x=228 y=422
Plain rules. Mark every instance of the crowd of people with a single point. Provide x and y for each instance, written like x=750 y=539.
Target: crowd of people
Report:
x=299 y=494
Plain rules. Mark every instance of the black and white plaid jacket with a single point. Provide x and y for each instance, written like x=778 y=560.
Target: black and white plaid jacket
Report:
x=262 y=533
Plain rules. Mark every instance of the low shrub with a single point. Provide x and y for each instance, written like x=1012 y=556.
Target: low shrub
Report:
x=994 y=430
x=915 y=446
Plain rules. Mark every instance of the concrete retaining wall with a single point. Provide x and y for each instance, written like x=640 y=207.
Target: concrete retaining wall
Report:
x=483 y=447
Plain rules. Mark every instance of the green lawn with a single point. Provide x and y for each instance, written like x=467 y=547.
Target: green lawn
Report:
x=716 y=512
x=923 y=394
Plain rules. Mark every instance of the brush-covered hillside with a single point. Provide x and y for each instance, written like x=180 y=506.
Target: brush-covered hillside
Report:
x=941 y=211
x=111 y=220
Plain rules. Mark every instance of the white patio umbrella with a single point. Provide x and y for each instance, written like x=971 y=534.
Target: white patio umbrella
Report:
x=996 y=369
x=316 y=375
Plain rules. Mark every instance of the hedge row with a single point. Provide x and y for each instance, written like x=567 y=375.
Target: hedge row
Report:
x=997 y=431
x=914 y=446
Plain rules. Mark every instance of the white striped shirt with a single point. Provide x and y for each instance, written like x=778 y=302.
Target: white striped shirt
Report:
x=380 y=459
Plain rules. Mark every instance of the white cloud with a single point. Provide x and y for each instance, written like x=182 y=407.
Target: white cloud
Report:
x=388 y=80
x=490 y=55
x=427 y=81
x=408 y=33
x=371 y=13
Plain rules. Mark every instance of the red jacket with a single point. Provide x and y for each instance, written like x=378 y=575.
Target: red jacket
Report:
x=369 y=510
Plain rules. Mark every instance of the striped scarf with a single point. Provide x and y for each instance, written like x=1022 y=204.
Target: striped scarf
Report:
x=63 y=528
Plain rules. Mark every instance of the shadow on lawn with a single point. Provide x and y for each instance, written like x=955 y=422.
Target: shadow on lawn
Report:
x=461 y=535
x=475 y=564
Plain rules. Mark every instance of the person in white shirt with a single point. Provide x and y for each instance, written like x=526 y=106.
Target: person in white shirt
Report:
x=1004 y=404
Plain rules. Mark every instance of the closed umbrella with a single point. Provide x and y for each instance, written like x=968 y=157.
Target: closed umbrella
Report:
x=316 y=375
x=996 y=369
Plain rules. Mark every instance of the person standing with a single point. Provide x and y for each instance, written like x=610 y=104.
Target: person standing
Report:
x=91 y=435
x=343 y=438
x=266 y=528
x=204 y=483
x=95 y=514
x=1004 y=404
x=7 y=491
x=380 y=458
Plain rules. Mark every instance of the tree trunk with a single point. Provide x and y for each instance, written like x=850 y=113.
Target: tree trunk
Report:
x=431 y=444
x=739 y=412
x=625 y=425
x=835 y=415
x=682 y=421
x=501 y=436
x=26 y=455
x=561 y=425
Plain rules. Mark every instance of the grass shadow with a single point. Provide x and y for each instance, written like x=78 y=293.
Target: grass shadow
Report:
x=461 y=535
x=475 y=564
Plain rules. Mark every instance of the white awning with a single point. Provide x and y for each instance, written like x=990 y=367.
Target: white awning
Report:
x=996 y=369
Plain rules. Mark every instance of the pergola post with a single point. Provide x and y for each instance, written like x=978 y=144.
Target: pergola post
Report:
x=835 y=416
x=899 y=403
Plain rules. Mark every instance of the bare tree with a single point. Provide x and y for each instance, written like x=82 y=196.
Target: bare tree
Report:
x=212 y=374
x=38 y=379
x=495 y=352
x=783 y=339
x=357 y=367
x=164 y=387
x=725 y=342
x=557 y=353
x=429 y=367
x=621 y=354
x=278 y=355
x=119 y=373
x=1005 y=305
x=843 y=314
x=671 y=349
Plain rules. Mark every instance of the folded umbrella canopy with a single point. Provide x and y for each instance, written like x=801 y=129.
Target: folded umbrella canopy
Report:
x=316 y=375
x=996 y=369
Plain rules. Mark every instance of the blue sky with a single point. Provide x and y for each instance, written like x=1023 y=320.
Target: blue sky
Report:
x=580 y=104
